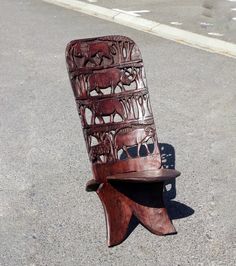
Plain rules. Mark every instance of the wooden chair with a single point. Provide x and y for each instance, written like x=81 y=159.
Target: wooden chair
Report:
x=109 y=84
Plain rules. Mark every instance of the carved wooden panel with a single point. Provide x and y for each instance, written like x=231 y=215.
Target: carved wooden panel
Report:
x=108 y=79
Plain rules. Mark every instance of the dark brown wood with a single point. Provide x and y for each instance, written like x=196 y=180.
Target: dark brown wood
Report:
x=108 y=80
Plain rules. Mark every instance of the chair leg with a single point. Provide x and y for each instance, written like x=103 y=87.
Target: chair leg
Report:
x=156 y=220
x=153 y=214
x=117 y=212
x=144 y=201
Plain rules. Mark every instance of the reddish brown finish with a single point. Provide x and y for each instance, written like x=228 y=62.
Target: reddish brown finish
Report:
x=149 y=176
x=109 y=84
x=119 y=208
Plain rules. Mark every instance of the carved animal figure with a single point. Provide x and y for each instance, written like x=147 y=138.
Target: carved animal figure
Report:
x=137 y=136
x=102 y=148
x=107 y=107
x=89 y=50
x=112 y=77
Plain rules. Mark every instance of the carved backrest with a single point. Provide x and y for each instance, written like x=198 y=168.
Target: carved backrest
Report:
x=108 y=80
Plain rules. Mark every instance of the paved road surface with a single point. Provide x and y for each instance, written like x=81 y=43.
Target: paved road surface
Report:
x=46 y=217
x=214 y=18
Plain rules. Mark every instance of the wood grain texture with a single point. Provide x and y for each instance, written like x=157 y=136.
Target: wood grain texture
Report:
x=109 y=84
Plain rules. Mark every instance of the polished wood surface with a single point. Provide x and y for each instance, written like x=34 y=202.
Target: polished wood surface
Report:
x=108 y=80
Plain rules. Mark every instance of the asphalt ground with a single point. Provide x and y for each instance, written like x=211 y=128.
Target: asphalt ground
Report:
x=46 y=217
x=213 y=18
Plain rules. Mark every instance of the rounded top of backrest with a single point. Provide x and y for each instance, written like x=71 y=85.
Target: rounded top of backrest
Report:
x=101 y=52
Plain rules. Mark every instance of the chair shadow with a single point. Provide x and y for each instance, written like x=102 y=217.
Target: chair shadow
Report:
x=150 y=194
x=176 y=210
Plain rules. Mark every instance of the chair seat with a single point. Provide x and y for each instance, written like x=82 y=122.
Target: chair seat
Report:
x=159 y=175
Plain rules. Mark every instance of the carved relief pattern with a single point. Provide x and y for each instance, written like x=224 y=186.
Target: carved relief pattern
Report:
x=109 y=84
